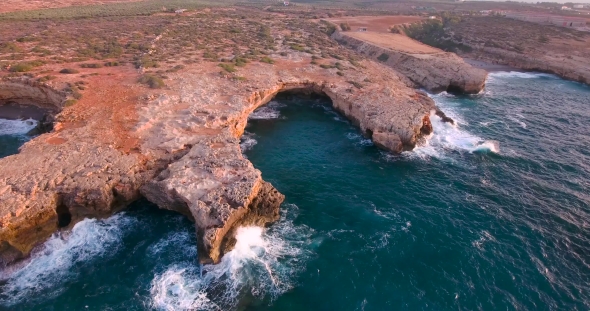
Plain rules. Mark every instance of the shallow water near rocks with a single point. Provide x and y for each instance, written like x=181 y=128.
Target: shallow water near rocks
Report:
x=490 y=214
x=13 y=133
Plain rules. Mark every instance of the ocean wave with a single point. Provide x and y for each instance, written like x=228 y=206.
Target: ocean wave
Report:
x=247 y=142
x=447 y=136
x=17 y=127
x=52 y=265
x=262 y=264
x=520 y=75
x=517 y=119
x=358 y=139
x=267 y=112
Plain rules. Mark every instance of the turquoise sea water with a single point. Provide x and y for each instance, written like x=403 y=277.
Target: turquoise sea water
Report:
x=13 y=133
x=493 y=214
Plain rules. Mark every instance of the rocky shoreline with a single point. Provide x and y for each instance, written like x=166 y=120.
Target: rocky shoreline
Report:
x=444 y=71
x=179 y=148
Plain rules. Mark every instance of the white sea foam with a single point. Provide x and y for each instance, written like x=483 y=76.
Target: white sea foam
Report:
x=487 y=146
x=262 y=264
x=180 y=243
x=16 y=127
x=518 y=74
x=267 y=112
x=447 y=136
x=54 y=263
x=518 y=120
x=358 y=139
x=247 y=141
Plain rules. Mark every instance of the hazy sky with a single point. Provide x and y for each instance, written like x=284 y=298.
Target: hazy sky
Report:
x=558 y=1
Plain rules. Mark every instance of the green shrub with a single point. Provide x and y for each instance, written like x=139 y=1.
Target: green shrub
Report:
x=68 y=71
x=70 y=102
x=356 y=84
x=240 y=61
x=267 y=60
x=92 y=65
x=297 y=47
x=383 y=57
x=9 y=47
x=228 y=67
x=240 y=79
x=46 y=78
x=22 y=67
x=145 y=62
x=111 y=64
x=152 y=81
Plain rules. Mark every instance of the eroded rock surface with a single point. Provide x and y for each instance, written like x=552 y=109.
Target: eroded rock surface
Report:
x=430 y=68
x=179 y=148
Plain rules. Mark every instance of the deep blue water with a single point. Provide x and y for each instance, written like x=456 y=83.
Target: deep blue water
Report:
x=457 y=224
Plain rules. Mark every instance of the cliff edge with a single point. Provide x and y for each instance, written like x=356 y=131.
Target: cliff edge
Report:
x=179 y=147
x=427 y=67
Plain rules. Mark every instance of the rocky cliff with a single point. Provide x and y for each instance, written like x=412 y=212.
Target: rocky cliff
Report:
x=575 y=69
x=179 y=148
x=433 y=70
x=524 y=45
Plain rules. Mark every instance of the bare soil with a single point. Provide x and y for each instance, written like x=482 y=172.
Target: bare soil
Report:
x=24 y=5
x=375 y=23
x=395 y=42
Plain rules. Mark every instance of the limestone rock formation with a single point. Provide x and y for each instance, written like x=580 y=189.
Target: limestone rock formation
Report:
x=179 y=148
x=435 y=71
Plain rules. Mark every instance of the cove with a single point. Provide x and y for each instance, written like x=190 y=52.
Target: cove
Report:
x=450 y=225
x=454 y=224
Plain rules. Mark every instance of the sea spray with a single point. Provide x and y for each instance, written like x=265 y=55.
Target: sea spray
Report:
x=267 y=112
x=17 y=127
x=57 y=261
x=247 y=141
x=262 y=264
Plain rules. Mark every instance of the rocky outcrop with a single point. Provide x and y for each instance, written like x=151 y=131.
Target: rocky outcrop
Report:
x=29 y=92
x=186 y=156
x=436 y=72
x=575 y=69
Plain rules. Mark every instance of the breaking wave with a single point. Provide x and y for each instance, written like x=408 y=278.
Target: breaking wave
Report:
x=447 y=136
x=267 y=112
x=518 y=74
x=17 y=127
x=52 y=265
x=358 y=139
x=247 y=141
x=262 y=264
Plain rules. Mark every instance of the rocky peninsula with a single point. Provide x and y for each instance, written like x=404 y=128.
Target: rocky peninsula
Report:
x=178 y=146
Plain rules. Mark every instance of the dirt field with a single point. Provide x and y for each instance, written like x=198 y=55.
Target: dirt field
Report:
x=375 y=23
x=23 y=5
x=394 y=42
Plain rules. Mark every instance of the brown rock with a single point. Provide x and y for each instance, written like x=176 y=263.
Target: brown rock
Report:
x=436 y=71
x=187 y=156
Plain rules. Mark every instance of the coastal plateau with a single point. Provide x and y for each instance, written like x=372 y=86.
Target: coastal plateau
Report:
x=178 y=146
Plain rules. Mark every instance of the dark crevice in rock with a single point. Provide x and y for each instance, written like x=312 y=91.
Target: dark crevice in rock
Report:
x=64 y=217
x=454 y=89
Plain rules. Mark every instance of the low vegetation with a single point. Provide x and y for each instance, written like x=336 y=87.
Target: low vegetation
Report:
x=435 y=33
x=152 y=81
x=69 y=71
